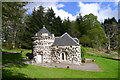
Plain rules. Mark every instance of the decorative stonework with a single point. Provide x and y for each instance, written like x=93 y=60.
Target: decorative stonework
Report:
x=70 y=53
x=49 y=49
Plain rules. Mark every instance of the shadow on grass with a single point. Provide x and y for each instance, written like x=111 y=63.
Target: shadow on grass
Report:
x=9 y=57
x=10 y=72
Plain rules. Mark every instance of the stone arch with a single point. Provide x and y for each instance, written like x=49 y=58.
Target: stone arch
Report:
x=63 y=55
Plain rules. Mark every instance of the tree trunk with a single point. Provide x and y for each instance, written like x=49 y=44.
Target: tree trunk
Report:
x=13 y=45
x=13 y=41
x=108 y=47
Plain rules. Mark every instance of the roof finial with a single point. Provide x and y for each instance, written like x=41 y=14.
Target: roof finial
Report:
x=43 y=26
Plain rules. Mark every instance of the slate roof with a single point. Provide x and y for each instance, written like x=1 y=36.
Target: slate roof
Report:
x=65 y=40
x=43 y=30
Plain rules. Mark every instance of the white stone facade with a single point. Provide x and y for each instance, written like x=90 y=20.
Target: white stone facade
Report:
x=47 y=49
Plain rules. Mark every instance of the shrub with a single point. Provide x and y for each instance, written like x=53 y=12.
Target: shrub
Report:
x=83 y=51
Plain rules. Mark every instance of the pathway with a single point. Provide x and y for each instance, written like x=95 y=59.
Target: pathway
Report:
x=84 y=66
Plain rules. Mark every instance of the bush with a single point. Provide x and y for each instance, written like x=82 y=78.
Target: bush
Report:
x=83 y=51
x=30 y=55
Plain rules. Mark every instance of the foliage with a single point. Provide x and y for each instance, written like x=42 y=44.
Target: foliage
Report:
x=90 y=31
x=11 y=57
x=83 y=51
x=110 y=27
x=98 y=37
x=12 y=25
x=19 y=27
x=14 y=55
x=85 y=40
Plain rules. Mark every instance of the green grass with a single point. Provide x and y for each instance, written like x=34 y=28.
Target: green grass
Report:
x=17 y=50
x=14 y=57
x=109 y=66
x=95 y=52
x=11 y=58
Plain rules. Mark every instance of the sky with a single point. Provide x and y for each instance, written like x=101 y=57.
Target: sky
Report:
x=102 y=10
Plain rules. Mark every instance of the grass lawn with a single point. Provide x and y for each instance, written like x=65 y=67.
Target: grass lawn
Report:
x=14 y=57
x=10 y=58
x=17 y=50
x=109 y=66
x=95 y=52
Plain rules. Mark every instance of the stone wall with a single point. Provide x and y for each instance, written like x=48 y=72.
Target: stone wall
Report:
x=42 y=46
x=71 y=53
x=44 y=52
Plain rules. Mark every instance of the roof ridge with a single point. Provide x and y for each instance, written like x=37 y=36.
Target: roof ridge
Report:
x=72 y=38
x=69 y=37
x=64 y=34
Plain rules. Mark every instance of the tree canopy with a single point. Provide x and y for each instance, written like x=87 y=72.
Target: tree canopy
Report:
x=19 y=27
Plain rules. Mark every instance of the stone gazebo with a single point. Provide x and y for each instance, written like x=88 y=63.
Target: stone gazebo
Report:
x=50 y=49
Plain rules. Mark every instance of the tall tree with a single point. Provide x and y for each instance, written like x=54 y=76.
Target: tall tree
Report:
x=97 y=37
x=37 y=20
x=33 y=23
x=79 y=25
x=67 y=26
x=53 y=23
x=12 y=16
x=110 y=27
x=118 y=37
x=91 y=32
x=58 y=26
x=50 y=20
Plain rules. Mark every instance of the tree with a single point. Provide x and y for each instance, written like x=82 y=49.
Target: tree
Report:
x=119 y=37
x=37 y=20
x=90 y=31
x=110 y=27
x=89 y=22
x=26 y=37
x=53 y=23
x=50 y=20
x=67 y=26
x=79 y=26
x=59 y=30
x=85 y=40
x=12 y=16
x=97 y=37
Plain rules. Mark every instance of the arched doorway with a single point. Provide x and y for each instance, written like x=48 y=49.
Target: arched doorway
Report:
x=63 y=57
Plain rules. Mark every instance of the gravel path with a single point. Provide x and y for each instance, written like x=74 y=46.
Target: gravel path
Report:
x=83 y=66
